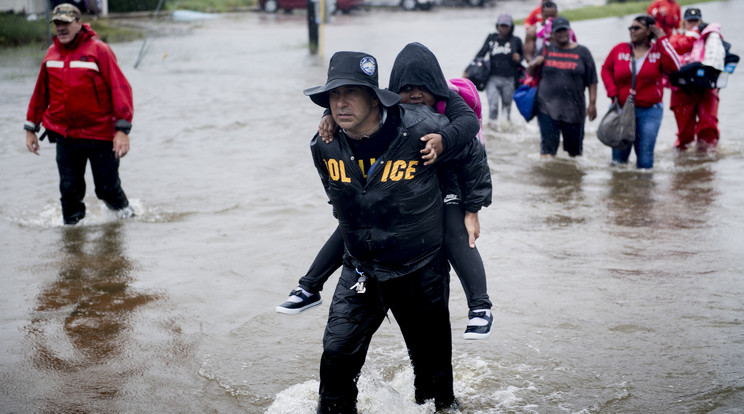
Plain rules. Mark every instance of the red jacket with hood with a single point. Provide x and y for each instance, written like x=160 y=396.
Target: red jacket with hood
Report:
x=81 y=92
x=667 y=15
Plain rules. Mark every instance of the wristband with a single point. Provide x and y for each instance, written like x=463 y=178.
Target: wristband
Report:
x=30 y=126
x=123 y=125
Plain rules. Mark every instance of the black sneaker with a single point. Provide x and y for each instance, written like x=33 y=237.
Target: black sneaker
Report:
x=476 y=328
x=298 y=301
x=74 y=219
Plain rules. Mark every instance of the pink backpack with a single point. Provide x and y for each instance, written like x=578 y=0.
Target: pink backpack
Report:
x=467 y=90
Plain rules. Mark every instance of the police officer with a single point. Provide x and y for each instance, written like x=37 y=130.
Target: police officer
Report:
x=390 y=213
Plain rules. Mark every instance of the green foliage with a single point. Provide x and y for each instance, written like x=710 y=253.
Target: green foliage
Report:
x=614 y=8
x=123 y=6
x=15 y=30
x=212 y=6
x=110 y=33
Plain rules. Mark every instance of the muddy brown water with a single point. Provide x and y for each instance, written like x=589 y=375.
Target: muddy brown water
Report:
x=615 y=291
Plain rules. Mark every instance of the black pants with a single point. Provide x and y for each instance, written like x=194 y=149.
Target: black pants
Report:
x=326 y=262
x=419 y=303
x=466 y=261
x=72 y=157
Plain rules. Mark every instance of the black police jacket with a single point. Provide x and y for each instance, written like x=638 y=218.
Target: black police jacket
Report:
x=392 y=221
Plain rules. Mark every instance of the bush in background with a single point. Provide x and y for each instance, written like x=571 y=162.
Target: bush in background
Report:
x=123 y=6
x=15 y=30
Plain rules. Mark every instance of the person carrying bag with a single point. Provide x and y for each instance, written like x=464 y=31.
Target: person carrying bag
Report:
x=617 y=128
x=633 y=74
x=503 y=52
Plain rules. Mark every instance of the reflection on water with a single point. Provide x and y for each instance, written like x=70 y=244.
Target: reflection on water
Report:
x=82 y=320
x=693 y=185
x=562 y=182
x=631 y=198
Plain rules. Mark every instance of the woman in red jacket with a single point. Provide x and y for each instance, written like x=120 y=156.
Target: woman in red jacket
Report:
x=653 y=58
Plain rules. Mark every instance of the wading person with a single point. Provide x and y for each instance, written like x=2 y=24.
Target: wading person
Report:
x=538 y=36
x=505 y=53
x=696 y=107
x=654 y=57
x=667 y=15
x=567 y=69
x=84 y=102
x=466 y=188
x=390 y=216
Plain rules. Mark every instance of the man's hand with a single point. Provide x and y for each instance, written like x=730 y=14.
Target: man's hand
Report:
x=32 y=142
x=432 y=149
x=121 y=144
x=326 y=128
x=472 y=224
x=657 y=31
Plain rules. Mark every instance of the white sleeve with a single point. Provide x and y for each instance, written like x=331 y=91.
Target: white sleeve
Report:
x=714 y=51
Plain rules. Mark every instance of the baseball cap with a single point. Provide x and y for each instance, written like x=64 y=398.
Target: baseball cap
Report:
x=506 y=19
x=65 y=12
x=693 y=14
x=560 y=23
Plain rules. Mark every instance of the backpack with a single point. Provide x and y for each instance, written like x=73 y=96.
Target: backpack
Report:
x=469 y=93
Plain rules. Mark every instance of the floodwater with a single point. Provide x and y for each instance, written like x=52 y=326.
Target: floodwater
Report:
x=615 y=291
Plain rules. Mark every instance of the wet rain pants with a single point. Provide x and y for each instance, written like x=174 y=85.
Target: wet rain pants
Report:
x=418 y=302
x=72 y=158
x=696 y=113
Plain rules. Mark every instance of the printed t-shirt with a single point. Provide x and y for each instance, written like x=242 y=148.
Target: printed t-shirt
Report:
x=502 y=63
x=563 y=77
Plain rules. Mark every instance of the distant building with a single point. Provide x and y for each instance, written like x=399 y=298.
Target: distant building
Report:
x=27 y=6
x=40 y=6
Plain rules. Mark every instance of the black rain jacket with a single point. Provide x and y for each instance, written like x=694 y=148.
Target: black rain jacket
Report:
x=392 y=221
x=467 y=175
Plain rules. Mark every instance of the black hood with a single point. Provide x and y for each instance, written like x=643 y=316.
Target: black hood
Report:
x=416 y=65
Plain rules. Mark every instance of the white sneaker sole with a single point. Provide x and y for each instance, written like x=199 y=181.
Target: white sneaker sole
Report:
x=296 y=311
x=472 y=335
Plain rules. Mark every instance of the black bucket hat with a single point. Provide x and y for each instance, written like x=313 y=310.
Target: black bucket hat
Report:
x=352 y=68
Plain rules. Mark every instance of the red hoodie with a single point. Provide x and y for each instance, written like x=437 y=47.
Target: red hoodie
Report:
x=667 y=15
x=616 y=75
x=81 y=91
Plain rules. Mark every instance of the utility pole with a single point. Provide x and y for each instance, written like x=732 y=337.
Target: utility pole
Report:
x=312 y=26
x=316 y=17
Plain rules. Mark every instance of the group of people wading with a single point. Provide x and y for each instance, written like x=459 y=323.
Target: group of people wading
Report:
x=406 y=174
x=664 y=44
x=404 y=168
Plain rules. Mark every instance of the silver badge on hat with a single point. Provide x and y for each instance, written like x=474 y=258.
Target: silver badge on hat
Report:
x=368 y=65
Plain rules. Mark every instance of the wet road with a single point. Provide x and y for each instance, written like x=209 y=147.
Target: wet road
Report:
x=614 y=291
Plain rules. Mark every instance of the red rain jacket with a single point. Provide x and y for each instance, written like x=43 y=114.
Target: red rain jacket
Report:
x=81 y=92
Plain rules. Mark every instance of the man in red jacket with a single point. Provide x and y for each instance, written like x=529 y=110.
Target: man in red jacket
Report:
x=85 y=104
x=667 y=15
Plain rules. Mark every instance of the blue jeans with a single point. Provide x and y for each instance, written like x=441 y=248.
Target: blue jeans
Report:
x=648 y=122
